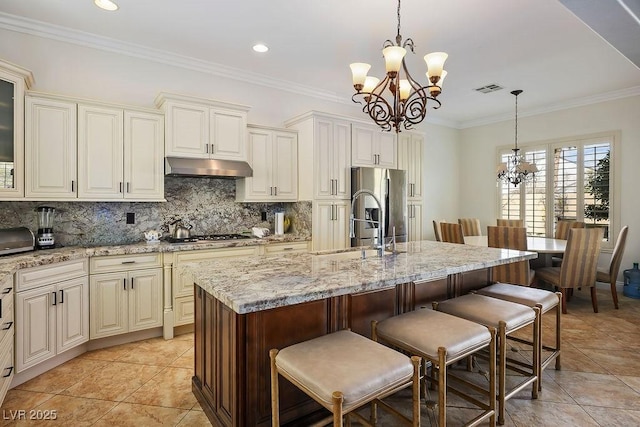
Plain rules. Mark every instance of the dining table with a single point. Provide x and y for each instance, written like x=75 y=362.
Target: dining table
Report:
x=546 y=247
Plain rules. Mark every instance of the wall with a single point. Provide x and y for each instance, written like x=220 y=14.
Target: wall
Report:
x=478 y=197
x=208 y=204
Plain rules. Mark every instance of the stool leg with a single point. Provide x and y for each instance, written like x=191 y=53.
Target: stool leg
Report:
x=558 y=330
x=337 y=408
x=539 y=364
x=502 y=375
x=275 y=410
x=442 y=386
x=537 y=356
x=492 y=376
x=416 y=361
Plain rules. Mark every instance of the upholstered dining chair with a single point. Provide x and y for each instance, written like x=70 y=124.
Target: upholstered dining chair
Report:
x=610 y=275
x=451 y=232
x=470 y=226
x=578 y=269
x=510 y=222
x=563 y=226
x=517 y=273
x=436 y=229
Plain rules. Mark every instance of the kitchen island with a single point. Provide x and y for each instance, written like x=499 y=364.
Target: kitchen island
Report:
x=247 y=306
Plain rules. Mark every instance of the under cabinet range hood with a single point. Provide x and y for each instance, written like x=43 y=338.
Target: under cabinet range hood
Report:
x=180 y=166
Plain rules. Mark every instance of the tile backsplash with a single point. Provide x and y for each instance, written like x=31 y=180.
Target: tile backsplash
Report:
x=207 y=204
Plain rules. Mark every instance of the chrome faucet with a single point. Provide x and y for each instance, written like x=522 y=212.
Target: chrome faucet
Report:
x=380 y=222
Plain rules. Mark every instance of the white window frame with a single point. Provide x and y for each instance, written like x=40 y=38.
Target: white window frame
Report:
x=581 y=140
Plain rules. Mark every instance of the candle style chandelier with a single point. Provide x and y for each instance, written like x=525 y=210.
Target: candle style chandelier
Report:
x=516 y=169
x=407 y=99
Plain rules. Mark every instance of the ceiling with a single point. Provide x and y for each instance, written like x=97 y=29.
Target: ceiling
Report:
x=539 y=46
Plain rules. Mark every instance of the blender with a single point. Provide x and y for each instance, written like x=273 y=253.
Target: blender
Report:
x=45 y=239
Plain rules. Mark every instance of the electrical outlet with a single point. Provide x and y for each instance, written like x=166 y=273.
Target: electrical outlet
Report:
x=263 y=216
x=131 y=218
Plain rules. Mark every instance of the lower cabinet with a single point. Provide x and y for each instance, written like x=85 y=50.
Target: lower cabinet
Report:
x=52 y=314
x=330 y=224
x=414 y=221
x=126 y=294
x=6 y=336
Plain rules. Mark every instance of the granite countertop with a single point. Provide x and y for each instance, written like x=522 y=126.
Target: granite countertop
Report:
x=270 y=281
x=11 y=263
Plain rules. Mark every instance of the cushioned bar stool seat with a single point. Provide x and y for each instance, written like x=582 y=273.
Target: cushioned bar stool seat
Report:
x=343 y=371
x=507 y=317
x=443 y=339
x=532 y=297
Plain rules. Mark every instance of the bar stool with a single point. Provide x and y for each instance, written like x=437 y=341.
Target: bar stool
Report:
x=443 y=339
x=532 y=297
x=344 y=371
x=506 y=317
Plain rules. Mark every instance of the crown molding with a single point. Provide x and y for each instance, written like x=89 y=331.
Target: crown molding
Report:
x=55 y=32
x=572 y=103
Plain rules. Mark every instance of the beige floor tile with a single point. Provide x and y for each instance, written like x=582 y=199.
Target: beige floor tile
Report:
x=186 y=360
x=598 y=390
x=133 y=415
x=617 y=362
x=572 y=359
x=633 y=382
x=607 y=417
x=63 y=376
x=525 y=412
x=157 y=352
x=115 y=382
x=18 y=403
x=194 y=419
x=71 y=411
x=169 y=388
x=111 y=353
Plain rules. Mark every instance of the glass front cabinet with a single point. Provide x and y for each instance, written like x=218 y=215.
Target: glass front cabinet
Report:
x=14 y=80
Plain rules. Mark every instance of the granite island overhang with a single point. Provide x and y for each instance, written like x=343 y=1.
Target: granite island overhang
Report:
x=246 y=306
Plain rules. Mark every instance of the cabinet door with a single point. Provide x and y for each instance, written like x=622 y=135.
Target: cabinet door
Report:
x=387 y=149
x=285 y=166
x=415 y=221
x=35 y=318
x=72 y=323
x=12 y=87
x=341 y=155
x=145 y=299
x=143 y=156
x=108 y=304
x=341 y=238
x=260 y=186
x=186 y=130
x=227 y=134
x=50 y=148
x=100 y=152
x=322 y=225
x=323 y=159
x=363 y=145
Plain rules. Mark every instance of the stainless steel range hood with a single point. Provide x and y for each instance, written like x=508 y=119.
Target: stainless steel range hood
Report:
x=179 y=166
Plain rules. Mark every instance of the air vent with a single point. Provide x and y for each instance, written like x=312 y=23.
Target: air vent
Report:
x=489 y=88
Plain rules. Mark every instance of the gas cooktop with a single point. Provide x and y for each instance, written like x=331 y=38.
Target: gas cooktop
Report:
x=207 y=238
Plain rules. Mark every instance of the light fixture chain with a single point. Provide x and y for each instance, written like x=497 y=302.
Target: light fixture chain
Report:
x=517 y=121
x=398 y=18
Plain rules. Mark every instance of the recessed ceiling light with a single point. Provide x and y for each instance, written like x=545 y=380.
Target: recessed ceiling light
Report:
x=106 y=5
x=260 y=48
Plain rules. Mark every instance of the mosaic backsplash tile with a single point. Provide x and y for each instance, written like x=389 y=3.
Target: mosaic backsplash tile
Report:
x=207 y=204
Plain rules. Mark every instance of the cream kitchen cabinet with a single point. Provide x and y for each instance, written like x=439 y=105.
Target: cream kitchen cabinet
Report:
x=50 y=148
x=273 y=156
x=284 y=248
x=126 y=294
x=371 y=147
x=414 y=221
x=203 y=128
x=325 y=151
x=7 y=367
x=51 y=311
x=120 y=154
x=410 y=152
x=14 y=81
x=330 y=226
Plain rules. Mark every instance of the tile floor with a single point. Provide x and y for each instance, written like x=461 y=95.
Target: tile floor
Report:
x=148 y=383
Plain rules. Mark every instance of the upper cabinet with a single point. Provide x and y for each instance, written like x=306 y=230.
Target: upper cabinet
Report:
x=203 y=128
x=94 y=152
x=371 y=147
x=325 y=151
x=273 y=156
x=410 y=150
x=14 y=81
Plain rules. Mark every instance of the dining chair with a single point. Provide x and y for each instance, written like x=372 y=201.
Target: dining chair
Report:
x=517 y=273
x=563 y=226
x=501 y=222
x=436 y=229
x=578 y=269
x=470 y=226
x=610 y=275
x=451 y=232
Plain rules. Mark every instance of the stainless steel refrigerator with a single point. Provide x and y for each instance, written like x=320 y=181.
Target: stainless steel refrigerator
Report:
x=390 y=187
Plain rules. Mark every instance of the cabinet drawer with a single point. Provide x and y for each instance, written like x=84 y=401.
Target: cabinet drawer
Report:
x=6 y=371
x=276 y=248
x=109 y=264
x=34 y=277
x=184 y=311
x=204 y=255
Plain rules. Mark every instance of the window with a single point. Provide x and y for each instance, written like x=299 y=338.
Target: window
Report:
x=575 y=181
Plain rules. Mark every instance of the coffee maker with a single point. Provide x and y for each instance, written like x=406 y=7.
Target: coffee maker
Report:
x=45 y=239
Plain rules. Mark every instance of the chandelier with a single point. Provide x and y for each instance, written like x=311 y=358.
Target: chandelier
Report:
x=516 y=169
x=398 y=100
